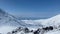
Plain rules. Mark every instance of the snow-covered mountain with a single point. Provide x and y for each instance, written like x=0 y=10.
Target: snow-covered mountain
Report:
x=55 y=20
x=9 y=22
x=8 y=19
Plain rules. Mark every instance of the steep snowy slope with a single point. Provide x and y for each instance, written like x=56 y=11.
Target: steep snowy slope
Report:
x=53 y=21
x=10 y=20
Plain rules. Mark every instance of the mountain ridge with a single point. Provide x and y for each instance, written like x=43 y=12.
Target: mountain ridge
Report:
x=8 y=19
